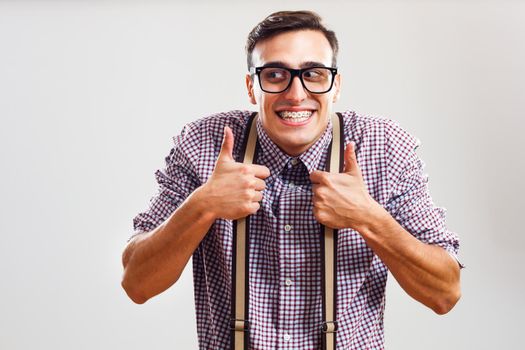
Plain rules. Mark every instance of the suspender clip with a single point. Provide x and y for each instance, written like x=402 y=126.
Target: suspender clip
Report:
x=239 y=325
x=329 y=327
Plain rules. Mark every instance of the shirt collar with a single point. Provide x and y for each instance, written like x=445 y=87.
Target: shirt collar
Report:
x=271 y=154
x=312 y=157
x=276 y=159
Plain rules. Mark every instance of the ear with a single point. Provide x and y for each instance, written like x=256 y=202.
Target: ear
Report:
x=249 y=87
x=337 y=87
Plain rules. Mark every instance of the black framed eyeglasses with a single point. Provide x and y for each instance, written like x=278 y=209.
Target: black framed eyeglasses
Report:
x=274 y=80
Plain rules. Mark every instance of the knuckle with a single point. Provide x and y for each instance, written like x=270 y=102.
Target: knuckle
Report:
x=246 y=182
x=247 y=193
x=250 y=208
x=319 y=179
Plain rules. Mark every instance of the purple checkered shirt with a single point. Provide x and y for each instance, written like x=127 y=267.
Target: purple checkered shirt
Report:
x=285 y=256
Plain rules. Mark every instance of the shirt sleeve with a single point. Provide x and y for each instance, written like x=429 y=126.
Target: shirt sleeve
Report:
x=410 y=202
x=175 y=182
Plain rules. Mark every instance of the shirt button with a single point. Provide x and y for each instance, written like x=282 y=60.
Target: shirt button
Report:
x=288 y=282
x=287 y=337
x=291 y=185
x=294 y=161
x=287 y=228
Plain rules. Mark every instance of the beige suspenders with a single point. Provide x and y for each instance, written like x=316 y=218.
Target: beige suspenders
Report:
x=335 y=164
x=240 y=298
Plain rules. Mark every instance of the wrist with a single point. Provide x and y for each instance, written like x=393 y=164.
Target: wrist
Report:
x=200 y=201
x=375 y=218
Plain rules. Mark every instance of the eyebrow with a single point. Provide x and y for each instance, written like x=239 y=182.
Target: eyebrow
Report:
x=302 y=65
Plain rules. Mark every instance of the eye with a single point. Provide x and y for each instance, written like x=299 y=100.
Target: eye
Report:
x=316 y=74
x=311 y=74
x=274 y=74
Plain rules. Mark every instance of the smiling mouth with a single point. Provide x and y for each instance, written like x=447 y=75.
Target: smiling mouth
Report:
x=295 y=116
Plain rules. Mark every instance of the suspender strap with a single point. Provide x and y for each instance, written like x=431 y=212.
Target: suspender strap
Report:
x=335 y=163
x=240 y=298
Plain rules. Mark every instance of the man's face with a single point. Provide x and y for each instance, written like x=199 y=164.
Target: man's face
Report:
x=296 y=49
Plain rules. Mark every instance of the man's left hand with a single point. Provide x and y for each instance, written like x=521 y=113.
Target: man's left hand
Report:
x=342 y=200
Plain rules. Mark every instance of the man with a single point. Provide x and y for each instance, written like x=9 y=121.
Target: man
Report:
x=379 y=203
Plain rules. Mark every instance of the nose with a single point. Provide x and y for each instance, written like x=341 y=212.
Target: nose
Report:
x=296 y=91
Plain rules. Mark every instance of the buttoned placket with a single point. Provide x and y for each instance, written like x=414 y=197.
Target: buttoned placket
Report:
x=290 y=194
x=286 y=283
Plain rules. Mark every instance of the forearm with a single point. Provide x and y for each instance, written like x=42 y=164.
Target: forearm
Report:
x=154 y=261
x=426 y=272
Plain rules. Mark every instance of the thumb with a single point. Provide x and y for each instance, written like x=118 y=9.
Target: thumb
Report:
x=226 y=153
x=351 y=165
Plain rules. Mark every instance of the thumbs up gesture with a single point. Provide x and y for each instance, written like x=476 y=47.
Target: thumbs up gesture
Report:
x=234 y=189
x=342 y=200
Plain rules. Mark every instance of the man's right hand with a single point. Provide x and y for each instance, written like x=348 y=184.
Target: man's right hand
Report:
x=234 y=189
x=153 y=261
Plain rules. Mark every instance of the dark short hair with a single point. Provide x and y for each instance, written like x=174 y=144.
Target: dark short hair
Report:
x=287 y=21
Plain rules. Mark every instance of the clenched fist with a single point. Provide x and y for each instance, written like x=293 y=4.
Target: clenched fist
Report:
x=234 y=189
x=342 y=200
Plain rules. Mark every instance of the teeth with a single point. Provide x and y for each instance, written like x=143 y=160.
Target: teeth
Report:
x=298 y=116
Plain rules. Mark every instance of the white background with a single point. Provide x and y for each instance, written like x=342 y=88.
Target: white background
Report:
x=92 y=92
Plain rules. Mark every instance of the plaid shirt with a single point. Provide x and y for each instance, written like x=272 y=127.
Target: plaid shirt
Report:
x=285 y=258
